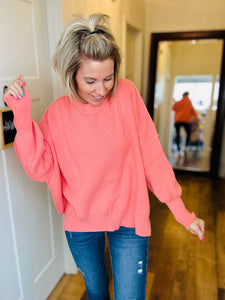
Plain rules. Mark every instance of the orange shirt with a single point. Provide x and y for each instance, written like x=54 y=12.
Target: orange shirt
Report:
x=184 y=111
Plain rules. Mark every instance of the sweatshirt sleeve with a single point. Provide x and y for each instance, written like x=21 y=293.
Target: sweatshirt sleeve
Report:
x=31 y=143
x=158 y=171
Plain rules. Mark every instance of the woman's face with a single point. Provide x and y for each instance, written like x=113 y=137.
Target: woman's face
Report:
x=95 y=79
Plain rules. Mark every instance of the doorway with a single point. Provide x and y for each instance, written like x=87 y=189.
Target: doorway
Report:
x=203 y=93
x=133 y=62
x=177 y=59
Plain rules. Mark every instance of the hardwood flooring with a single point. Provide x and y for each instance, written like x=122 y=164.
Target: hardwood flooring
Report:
x=195 y=159
x=181 y=267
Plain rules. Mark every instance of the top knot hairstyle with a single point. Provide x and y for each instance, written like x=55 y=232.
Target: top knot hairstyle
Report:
x=91 y=37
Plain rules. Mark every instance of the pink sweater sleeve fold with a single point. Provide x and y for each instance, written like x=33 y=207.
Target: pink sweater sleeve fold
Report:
x=34 y=147
x=36 y=156
x=158 y=171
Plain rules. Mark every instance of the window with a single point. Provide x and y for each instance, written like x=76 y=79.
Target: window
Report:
x=199 y=88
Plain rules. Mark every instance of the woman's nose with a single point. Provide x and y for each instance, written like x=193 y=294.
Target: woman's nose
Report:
x=100 y=89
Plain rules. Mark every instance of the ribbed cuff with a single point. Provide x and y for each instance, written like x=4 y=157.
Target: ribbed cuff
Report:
x=181 y=214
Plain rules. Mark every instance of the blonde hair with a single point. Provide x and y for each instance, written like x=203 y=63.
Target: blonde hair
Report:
x=91 y=37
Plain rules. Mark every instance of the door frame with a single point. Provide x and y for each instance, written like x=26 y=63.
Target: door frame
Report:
x=220 y=116
x=138 y=41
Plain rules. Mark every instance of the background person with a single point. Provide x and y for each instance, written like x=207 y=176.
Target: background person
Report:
x=98 y=150
x=184 y=116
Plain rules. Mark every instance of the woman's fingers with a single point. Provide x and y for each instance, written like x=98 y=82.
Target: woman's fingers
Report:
x=17 y=89
x=24 y=86
x=198 y=227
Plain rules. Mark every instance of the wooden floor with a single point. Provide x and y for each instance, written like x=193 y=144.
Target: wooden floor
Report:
x=181 y=267
x=195 y=159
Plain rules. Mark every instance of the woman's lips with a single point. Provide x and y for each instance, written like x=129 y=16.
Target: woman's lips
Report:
x=98 y=99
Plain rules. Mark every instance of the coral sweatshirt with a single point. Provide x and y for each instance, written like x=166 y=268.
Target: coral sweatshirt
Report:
x=184 y=111
x=98 y=161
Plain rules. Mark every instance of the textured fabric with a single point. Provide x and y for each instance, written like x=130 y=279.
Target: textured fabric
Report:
x=184 y=111
x=129 y=259
x=88 y=251
x=98 y=161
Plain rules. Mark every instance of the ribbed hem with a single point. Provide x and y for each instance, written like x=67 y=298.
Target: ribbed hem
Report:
x=142 y=225
x=99 y=222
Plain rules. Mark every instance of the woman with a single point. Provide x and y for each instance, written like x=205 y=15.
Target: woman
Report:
x=98 y=150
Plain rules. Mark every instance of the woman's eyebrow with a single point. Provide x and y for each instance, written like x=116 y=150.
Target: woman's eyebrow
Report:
x=110 y=75
x=92 y=78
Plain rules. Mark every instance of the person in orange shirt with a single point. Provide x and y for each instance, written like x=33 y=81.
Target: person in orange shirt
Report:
x=184 y=116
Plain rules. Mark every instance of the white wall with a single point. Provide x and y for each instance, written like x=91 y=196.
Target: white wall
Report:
x=162 y=104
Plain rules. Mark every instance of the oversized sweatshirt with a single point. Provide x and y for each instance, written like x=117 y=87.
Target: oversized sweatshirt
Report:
x=184 y=111
x=98 y=161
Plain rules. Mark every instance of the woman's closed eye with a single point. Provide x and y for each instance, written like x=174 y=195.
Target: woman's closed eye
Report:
x=93 y=81
x=90 y=81
x=108 y=79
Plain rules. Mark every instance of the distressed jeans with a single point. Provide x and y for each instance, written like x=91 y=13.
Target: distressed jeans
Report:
x=129 y=258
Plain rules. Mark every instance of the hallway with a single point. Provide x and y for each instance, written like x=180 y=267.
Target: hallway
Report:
x=181 y=267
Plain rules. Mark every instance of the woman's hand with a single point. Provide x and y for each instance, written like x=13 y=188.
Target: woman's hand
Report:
x=17 y=89
x=198 y=227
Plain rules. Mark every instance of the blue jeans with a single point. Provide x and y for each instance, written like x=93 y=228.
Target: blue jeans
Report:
x=129 y=259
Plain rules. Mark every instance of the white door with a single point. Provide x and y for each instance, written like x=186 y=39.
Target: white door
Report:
x=134 y=55
x=31 y=236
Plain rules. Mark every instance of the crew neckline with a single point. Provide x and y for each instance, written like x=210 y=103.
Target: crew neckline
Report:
x=87 y=108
